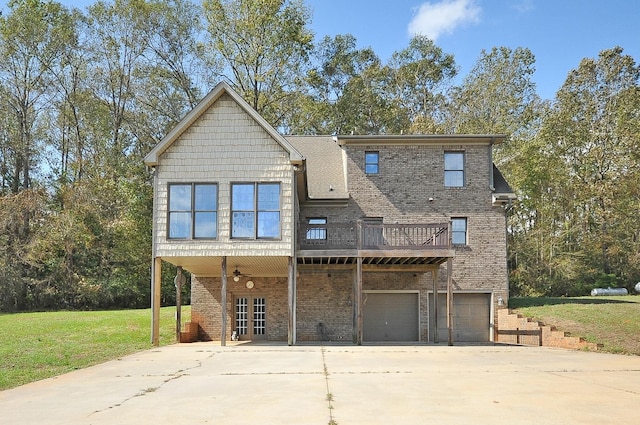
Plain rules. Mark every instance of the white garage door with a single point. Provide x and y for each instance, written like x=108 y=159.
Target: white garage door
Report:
x=471 y=317
x=390 y=317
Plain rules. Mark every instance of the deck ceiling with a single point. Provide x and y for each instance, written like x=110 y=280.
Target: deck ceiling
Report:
x=249 y=266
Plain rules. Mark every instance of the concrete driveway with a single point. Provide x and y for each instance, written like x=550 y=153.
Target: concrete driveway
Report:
x=204 y=383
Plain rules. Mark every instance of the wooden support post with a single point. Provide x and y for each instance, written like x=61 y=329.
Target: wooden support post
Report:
x=359 y=300
x=358 y=285
x=291 y=332
x=435 y=306
x=450 y=301
x=156 y=291
x=223 y=302
x=178 y=284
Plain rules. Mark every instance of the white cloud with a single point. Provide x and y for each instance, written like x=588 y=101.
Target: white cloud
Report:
x=435 y=19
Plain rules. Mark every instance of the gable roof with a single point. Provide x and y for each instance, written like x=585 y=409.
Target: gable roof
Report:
x=325 y=166
x=153 y=156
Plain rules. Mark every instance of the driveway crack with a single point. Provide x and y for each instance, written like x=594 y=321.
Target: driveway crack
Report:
x=329 y=394
x=170 y=377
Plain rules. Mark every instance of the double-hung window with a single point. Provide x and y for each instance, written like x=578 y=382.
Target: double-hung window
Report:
x=371 y=162
x=255 y=210
x=454 y=169
x=193 y=211
x=459 y=231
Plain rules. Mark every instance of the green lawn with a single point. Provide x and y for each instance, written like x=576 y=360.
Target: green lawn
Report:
x=611 y=321
x=35 y=346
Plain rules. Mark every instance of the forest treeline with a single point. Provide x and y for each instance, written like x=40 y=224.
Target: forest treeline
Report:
x=85 y=94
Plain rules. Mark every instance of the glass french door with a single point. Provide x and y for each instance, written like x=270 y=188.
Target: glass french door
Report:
x=251 y=318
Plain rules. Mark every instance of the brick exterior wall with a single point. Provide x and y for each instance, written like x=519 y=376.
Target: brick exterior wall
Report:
x=206 y=310
x=411 y=174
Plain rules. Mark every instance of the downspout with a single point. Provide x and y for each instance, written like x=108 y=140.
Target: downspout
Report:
x=491 y=183
x=293 y=269
x=154 y=232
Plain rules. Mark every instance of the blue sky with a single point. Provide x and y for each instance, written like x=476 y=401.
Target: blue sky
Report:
x=559 y=32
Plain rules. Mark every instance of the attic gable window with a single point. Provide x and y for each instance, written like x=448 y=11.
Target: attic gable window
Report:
x=193 y=211
x=454 y=169
x=255 y=210
x=371 y=162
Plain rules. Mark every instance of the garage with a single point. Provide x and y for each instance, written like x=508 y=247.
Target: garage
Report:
x=471 y=317
x=390 y=316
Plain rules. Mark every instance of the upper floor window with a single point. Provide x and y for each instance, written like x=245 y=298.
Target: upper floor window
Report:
x=459 y=231
x=371 y=162
x=317 y=233
x=454 y=169
x=255 y=210
x=193 y=211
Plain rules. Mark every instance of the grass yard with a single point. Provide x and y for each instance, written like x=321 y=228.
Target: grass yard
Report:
x=36 y=346
x=611 y=321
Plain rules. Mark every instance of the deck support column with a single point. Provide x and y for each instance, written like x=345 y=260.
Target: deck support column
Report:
x=358 y=301
x=156 y=290
x=223 y=302
x=291 y=338
x=450 y=300
x=178 y=284
x=358 y=286
x=435 y=306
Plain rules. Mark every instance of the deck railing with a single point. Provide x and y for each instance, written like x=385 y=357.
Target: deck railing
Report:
x=361 y=235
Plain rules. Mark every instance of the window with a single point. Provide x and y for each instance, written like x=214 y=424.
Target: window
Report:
x=255 y=210
x=371 y=162
x=193 y=211
x=317 y=233
x=459 y=231
x=454 y=169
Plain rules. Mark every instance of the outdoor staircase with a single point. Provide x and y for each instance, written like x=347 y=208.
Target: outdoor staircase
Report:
x=516 y=329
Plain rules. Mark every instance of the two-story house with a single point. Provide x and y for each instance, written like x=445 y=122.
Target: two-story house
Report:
x=342 y=238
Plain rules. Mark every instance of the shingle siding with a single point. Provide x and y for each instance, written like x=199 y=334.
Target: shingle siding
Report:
x=223 y=146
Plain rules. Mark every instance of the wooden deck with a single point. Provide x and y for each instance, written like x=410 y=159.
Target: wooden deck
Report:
x=376 y=244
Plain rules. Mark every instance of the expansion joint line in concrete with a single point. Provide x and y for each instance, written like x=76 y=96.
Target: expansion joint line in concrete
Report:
x=329 y=394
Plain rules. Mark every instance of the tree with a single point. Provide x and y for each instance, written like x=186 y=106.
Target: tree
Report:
x=264 y=47
x=594 y=137
x=322 y=107
x=497 y=96
x=585 y=201
x=420 y=74
x=32 y=38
